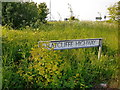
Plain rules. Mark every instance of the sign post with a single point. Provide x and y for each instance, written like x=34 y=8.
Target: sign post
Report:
x=100 y=50
x=73 y=44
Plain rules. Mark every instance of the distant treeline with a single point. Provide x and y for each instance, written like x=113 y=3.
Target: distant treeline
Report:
x=21 y=14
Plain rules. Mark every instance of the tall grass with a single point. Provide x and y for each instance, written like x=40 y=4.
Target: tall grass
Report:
x=17 y=45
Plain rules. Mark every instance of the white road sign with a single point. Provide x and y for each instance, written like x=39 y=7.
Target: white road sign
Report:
x=71 y=44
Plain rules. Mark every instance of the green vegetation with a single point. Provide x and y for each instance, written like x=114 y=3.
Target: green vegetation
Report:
x=20 y=14
x=27 y=66
x=114 y=11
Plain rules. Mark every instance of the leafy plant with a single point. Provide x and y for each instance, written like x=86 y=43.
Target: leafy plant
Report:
x=21 y=14
x=75 y=68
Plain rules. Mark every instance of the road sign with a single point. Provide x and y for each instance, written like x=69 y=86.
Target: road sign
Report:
x=73 y=44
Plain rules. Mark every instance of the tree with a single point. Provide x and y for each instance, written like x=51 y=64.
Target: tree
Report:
x=42 y=12
x=21 y=14
x=113 y=11
x=118 y=9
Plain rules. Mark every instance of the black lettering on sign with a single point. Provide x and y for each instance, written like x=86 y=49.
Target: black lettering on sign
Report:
x=93 y=42
x=70 y=44
x=65 y=44
x=78 y=43
x=53 y=45
x=59 y=44
x=88 y=42
x=83 y=43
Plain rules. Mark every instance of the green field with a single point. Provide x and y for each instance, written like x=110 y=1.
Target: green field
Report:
x=23 y=66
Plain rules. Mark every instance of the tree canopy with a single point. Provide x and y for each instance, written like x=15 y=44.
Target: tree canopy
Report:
x=20 y=14
x=114 y=11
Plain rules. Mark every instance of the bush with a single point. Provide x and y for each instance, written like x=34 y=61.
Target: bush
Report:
x=43 y=69
x=52 y=69
x=21 y=14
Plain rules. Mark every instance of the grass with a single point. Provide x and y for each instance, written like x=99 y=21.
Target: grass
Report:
x=17 y=44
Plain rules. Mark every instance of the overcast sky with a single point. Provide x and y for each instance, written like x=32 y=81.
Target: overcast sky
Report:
x=82 y=9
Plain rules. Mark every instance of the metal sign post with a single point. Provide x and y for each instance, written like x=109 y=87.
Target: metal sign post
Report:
x=73 y=44
x=100 y=49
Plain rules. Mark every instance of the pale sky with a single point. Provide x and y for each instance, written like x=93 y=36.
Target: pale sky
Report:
x=82 y=9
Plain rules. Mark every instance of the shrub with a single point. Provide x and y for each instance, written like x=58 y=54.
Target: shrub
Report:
x=44 y=68
x=55 y=69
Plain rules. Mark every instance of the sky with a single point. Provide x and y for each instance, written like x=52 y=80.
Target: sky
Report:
x=82 y=9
